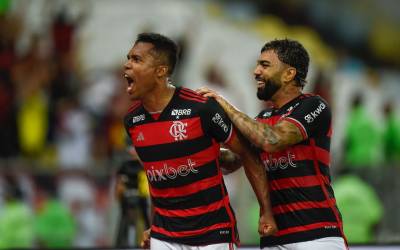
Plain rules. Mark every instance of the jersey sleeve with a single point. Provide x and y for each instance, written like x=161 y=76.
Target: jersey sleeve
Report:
x=126 y=124
x=312 y=116
x=216 y=122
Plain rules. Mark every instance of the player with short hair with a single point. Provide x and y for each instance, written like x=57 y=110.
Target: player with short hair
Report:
x=293 y=136
x=177 y=134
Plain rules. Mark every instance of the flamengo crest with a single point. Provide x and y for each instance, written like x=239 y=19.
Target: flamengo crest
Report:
x=178 y=130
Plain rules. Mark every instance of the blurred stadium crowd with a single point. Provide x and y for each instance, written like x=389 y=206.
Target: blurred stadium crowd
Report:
x=62 y=101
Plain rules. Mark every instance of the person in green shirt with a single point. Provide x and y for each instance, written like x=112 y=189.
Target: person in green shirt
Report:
x=55 y=226
x=364 y=139
x=16 y=219
x=392 y=135
x=361 y=209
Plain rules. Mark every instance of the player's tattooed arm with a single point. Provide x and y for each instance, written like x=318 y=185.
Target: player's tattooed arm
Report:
x=264 y=136
x=269 y=138
x=256 y=174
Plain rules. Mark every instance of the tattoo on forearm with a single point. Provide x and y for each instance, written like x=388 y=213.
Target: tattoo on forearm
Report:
x=270 y=135
x=254 y=131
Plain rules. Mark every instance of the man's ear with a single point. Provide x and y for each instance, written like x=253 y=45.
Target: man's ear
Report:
x=162 y=71
x=289 y=74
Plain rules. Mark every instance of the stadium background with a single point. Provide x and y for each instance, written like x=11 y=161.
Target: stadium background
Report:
x=62 y=100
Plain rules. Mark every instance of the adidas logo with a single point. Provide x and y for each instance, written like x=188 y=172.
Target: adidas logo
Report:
x=140 y=137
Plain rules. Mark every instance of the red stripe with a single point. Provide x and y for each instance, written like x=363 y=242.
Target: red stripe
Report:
x=299 y=206
x=306 y=228
x=309 y=95
x=270 y=120
x=295 y=182
x=328 y=200
x=186 y=190
x=298 y=125
x=134 y=106
x=193 y=94
x=191 y=91
x=197 y=160
x=303 y=152
x=192 y=99
x=330 y=131
x=231 y=136
x=192 y=211
x=162 y=132
x=191 y=232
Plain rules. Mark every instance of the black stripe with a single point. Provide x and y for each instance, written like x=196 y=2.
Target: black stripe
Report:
x=201 y=198
x=211 y=237
x=291 y=195
x=179 y=224
x=330 y=191
x=303 y=168
x=205 y=171
x=304 y=217
x=173 y=150
x=300 y=237
x=323 y=142
x=325 y=170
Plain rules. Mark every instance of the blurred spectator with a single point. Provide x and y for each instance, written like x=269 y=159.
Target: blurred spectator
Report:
x=110 y=130
x=361 y=209
x=392 y=135
x=54 y=225
x=8 y=122
x=16 y=218
x=73 y=136
x=30 y=75
x=78 y=192
x=9 y=29
x=364 y=141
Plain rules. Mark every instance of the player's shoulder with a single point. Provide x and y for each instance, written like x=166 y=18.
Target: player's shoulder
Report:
x=311 y=100
x=134 y=114
x=197 y=102
x=190 y=95
x=312 y=106
x=310 y=97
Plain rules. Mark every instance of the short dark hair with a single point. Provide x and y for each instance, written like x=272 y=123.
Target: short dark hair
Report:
x=163 y=46
x=292 y=53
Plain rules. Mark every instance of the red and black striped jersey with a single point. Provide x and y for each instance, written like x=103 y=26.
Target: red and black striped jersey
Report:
x=302 y=198
x=179 y=151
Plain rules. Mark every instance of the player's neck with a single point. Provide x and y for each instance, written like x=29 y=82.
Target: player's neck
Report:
x=285 y=95
x=159 y=98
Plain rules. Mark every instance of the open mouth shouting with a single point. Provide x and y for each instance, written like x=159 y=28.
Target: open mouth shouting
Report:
x=128 y=79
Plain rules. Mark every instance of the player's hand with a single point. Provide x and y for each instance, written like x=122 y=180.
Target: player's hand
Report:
x=267 y=225
x=206 y=92
x=145 y=243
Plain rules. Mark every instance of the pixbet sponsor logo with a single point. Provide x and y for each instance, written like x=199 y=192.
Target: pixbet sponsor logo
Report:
x=283 y=162
x=170 y=173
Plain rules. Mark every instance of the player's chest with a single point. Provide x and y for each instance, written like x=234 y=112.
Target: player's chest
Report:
x=166 y=131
